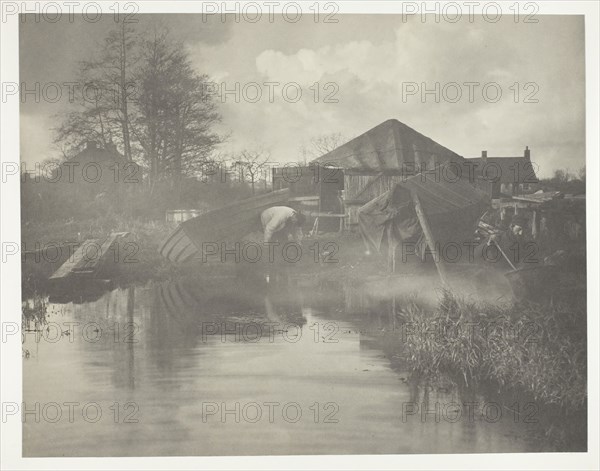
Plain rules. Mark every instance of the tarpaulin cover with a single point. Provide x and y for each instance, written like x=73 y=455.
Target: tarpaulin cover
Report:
x=451 y=205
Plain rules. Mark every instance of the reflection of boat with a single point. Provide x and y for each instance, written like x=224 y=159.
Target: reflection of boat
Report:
x=228 y=223
x=197 y=298
x=193 y=301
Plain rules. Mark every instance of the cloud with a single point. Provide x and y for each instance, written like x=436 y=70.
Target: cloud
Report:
x=364 y=63
x=523 y=62
x=36 y=139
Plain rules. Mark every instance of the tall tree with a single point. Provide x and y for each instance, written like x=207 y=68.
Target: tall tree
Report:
x=103 y=101
x=143 y=94
x=175 y=117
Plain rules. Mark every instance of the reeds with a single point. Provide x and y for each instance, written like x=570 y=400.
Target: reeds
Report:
x=534 y=348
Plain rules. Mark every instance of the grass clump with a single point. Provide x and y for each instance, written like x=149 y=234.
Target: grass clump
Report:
x=537 y=349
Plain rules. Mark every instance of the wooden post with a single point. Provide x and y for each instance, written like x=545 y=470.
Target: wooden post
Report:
x=391 y=249
x=429 y=238
x=320 y=190
x=343 y=211
x=534 y=225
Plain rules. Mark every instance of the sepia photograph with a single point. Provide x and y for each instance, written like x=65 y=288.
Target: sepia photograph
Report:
x=300 y=229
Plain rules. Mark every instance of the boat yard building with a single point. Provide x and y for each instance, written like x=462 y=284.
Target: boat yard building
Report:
x=375 y=161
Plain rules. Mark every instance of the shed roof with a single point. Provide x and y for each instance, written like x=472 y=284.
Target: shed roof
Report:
x=391 y=145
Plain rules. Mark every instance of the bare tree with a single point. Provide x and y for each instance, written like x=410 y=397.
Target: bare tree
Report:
x=144 y=96
x=321 y=145
x=118 y=43
x=102 y=109
x=174 y=117
x=217 y=168
x=252 y=166
x=561 y=176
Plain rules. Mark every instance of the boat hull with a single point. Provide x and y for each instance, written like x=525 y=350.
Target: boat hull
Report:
x=226 y=224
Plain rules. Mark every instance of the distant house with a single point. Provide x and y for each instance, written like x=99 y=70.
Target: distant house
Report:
x=97 y=171
x=94 y=164
x=508 y=176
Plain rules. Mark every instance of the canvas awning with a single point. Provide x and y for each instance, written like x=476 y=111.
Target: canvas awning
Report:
x=452 y=207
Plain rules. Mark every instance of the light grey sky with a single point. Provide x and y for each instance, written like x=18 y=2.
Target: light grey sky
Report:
x=371 y=59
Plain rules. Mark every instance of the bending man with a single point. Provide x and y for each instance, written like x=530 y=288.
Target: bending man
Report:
x=280 y=223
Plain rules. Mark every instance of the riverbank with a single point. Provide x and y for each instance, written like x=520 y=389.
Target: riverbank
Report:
x=45 y=246
x=538 y=350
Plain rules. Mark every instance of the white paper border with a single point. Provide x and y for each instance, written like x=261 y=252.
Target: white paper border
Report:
x=10 y=298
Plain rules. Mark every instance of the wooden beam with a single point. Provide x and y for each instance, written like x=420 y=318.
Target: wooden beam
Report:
x=325 y=215
x=100 y=255
x=429 y=238
x=391 y=249
x=82 y=263
x=304 y=198
x=77 y=260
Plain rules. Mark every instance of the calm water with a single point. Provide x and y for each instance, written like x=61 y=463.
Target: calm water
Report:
x=298 y=368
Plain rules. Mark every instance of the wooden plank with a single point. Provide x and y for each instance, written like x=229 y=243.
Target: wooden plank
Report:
x=326 y=215
x=87 y=258
x=364 y=189
x=304 y=198
x=78 y=258
x=92 y=264
x=429 y=238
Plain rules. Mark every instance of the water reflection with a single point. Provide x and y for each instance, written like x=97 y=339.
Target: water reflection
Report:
x=186 y=368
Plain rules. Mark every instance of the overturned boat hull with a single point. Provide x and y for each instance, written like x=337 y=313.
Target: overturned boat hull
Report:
x=228 y=223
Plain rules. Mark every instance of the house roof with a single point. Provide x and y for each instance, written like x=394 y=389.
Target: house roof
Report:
x=391 y=145
x=505 y=169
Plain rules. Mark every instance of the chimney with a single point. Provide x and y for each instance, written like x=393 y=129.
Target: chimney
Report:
x=484 y=155
x=527 y=153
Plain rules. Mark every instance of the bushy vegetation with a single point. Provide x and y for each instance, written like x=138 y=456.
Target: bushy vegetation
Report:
x=539 y=350
x=565 y=181
x=44 y=201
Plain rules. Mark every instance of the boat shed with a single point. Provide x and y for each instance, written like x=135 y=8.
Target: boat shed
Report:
x=375 y=161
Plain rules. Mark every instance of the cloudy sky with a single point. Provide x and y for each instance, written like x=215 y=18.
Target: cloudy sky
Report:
x=370 y=60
